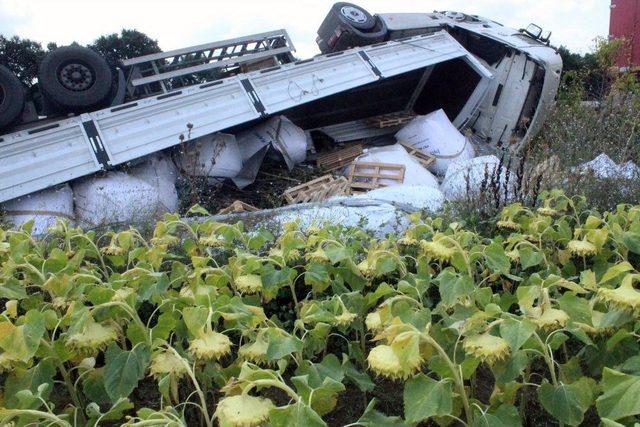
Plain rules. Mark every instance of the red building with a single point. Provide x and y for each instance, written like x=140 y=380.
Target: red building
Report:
x=625 y=23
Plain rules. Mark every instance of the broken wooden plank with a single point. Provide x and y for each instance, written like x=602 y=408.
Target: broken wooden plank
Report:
x=389 y=120
x=366 y=176
x=317 y=190
x=423 y=157
x=340 y=158
x=237 y=207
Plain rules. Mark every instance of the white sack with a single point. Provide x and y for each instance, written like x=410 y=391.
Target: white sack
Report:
x=45 y=207
x=160 y=173
x=415 y=173
x=471 y=173
x=277 y=132
x=603 y=167
x=414 y=196
x=215 y=155
x=117 y=198
x=436 y=135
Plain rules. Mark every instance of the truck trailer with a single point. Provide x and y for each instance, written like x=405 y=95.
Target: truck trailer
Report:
x=496 y=82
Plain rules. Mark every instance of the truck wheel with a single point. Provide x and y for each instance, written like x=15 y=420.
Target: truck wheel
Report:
x=75 y=78
x=11 y=97
x=355 y=16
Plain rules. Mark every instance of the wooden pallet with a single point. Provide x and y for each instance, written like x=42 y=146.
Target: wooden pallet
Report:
x=340 y=158
x=366 y=176
x=388 y=120
x=424 y=158
x=237 y=207
x=317 y=190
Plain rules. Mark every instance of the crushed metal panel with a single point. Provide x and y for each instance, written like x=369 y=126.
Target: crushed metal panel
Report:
x=151 y=126
x=32 y=160
x=303 y=82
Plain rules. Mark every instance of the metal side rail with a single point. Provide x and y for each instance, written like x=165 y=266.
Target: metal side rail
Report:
x=41 y=157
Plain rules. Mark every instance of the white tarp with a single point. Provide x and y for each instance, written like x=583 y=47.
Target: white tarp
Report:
x=436 y=135
x=415 y=173
x=278 y=132
x=463 y=175
x=117 y=198
x=215 y=155
x=45 y=207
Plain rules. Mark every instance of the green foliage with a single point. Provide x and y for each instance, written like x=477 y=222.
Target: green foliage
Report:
x=22 y=57
x=128 y=44
x=187 y=327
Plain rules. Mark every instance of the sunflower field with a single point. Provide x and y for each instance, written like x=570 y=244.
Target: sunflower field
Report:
x=205 y=323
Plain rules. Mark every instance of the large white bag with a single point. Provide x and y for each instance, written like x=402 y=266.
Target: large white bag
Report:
x=214 y=155
x=117 y=198
x=277 y=132
x=45 y=207
x=467 y=175
x=436 y=135
x=419 y=197
x=160 y=173
x=415 y=173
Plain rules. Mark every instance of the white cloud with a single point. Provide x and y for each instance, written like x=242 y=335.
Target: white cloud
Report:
x=179 y=23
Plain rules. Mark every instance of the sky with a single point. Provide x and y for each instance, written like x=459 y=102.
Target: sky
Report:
x=181 y=23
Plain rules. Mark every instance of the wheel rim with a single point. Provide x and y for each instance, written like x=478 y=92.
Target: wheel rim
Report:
x=354 y=14
x=76 y=76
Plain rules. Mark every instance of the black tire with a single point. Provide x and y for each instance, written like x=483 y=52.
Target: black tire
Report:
x=75 y=79
x=354 y=16
x=11 y=97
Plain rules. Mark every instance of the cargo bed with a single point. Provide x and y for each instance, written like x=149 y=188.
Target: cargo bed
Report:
x=40 y=157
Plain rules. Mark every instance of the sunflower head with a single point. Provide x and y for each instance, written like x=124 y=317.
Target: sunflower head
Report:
x=167 y=363
x=384 y=361
x=113 y=249
x=317 y=256
x=344 y=319
x=438 y=250
x=255 y=352
x=211 y=241
x=248 y=284
x=625 y=297
x=210 y=345
x=513 y=255
x=582 y=248
x=365 y=268
x=486 y=347
x=408 y=241
x=373 y=321
x=243 y=410
x=94 y=337
x=508 y=224
x=548 y=318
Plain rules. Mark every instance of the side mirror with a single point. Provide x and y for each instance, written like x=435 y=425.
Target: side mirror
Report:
x=533 y=30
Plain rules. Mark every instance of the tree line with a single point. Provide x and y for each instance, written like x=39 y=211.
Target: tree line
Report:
x=22 y=55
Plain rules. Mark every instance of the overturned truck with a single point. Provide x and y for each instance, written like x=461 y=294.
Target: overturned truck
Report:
x=495 y=82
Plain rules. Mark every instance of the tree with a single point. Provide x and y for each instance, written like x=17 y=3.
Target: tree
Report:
x=22 y=57
x=128 y=44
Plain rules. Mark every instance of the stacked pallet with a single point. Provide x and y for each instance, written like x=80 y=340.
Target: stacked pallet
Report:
x=389 y=120
x=317 y=190
x=367 y=176
x=340 y=158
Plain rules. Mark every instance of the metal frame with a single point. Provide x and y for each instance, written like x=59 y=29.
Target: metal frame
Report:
x=160 y=72
x=38 y=158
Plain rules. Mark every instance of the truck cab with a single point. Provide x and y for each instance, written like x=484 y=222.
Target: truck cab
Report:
x=526 y=69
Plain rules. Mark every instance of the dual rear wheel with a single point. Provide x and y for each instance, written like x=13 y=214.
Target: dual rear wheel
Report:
x=72 y=79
